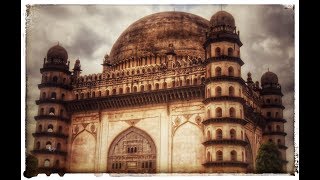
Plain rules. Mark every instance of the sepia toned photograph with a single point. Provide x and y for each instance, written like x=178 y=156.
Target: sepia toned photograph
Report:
x=149 y=89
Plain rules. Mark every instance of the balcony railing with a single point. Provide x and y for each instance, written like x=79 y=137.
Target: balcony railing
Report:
x=225 y=58
x=42 y=101
x=275 y=133
x=225 y=78
x=225 y=120
x=224 y=98
x=268 y=119
x=52 y=117
x=225 y=141
x=53 y=84
x=47 y=151
x=273 y=106
x=226 y=164
x=49 y=134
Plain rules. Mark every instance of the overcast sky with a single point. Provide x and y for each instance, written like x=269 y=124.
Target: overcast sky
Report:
x=88 y=32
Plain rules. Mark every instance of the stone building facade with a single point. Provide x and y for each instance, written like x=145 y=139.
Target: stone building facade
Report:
x=170 y=98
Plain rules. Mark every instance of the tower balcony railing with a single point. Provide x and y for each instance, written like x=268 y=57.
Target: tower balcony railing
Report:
x=273 y=106
x=225 y=142
x=52 y=117
x=225 y=78
x=56 y=67
x=48 y=100
x=275 y=133
x=47 y=151
x=225 y=120
x=50 y=134
x=271 y=119
x=55 y=84
x=224 y=98
x=224 y=58
x=225 y=164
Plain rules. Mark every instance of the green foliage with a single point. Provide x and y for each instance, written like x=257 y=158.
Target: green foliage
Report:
x=31 y=166
x=269 y=159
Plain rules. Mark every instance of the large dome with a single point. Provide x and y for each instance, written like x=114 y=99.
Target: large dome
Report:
x=59 y=52
x=222 y=18
x=152 y=35
x=269 y=78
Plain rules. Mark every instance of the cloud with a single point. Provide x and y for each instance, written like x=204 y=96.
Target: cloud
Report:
x=88 y=32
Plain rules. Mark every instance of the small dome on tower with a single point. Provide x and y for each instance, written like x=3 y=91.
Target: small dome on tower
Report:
x=222 y=18
x=269 y=78
x=59 y=52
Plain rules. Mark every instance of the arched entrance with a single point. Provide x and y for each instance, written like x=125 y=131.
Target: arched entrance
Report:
x=132 y=151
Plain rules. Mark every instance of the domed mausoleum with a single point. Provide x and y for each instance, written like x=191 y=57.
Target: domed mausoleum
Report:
x=170 y=99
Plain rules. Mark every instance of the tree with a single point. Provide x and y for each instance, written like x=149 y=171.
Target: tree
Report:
x=269 y=159
x=31 y=166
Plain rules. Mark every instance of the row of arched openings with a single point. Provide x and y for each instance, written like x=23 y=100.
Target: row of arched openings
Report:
x=49 y=128
x=219 y=53
x=218 y=112
x=218 y=91
x=219 y=134
x=218 y=71
x=52 y=111
x=219 y=156
x=48 y=146
x=54 y=79
x=52 y=96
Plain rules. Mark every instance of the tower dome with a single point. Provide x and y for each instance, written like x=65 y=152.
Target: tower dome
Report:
x=269 y=78
x=222 y=18
x=57 y=52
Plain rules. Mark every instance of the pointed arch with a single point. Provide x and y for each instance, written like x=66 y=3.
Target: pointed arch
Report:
x=127 y=143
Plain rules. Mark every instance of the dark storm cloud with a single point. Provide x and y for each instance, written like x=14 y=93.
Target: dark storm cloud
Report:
x=88 y=32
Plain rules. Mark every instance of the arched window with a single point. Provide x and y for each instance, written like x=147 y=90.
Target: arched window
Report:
x=77 y=97
x=230 y=52
x=277 y=114
x=173 y=83
x=232 y=112
x=135 y=149
x=41 y=111
x=232 y=134
x=58 y=146
x=218 y=71
x=142 y=88
x=99 y=93
x=188 y=82
x=233 y=155
x=208 y=92
x=135 y=89
x=61 y=112
x=278 y=128
x=60 y=129
x=88 y=95
x=218 y=91
x=157 y=86
x=218 y=51
x=120 y=91
x=38 y=145
x=208 y=113
x=50 y=128
x=218 y=134
x=62 y=96
x=43 y=95
x=269 y=128
x=279 y=141
x=231 y=91
x=40 y=128
x=131 y=150
x=219 y=156
x=208 y=135
x=114 y=91
x=218 y=112
x=107 y=92
x=48 y=145
x=268 y=101
x=93 y=94
x=55 y=79
x=149 y=87
x=81 y=96
x=53 y=95
x=164 y=85
x=127 y=90
x=208 y=156
x=46 y=163
x=242 y=155
x=230 y=71
x=195 y=81
x=57 y=163
x=180 y=82
x=51 y=111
